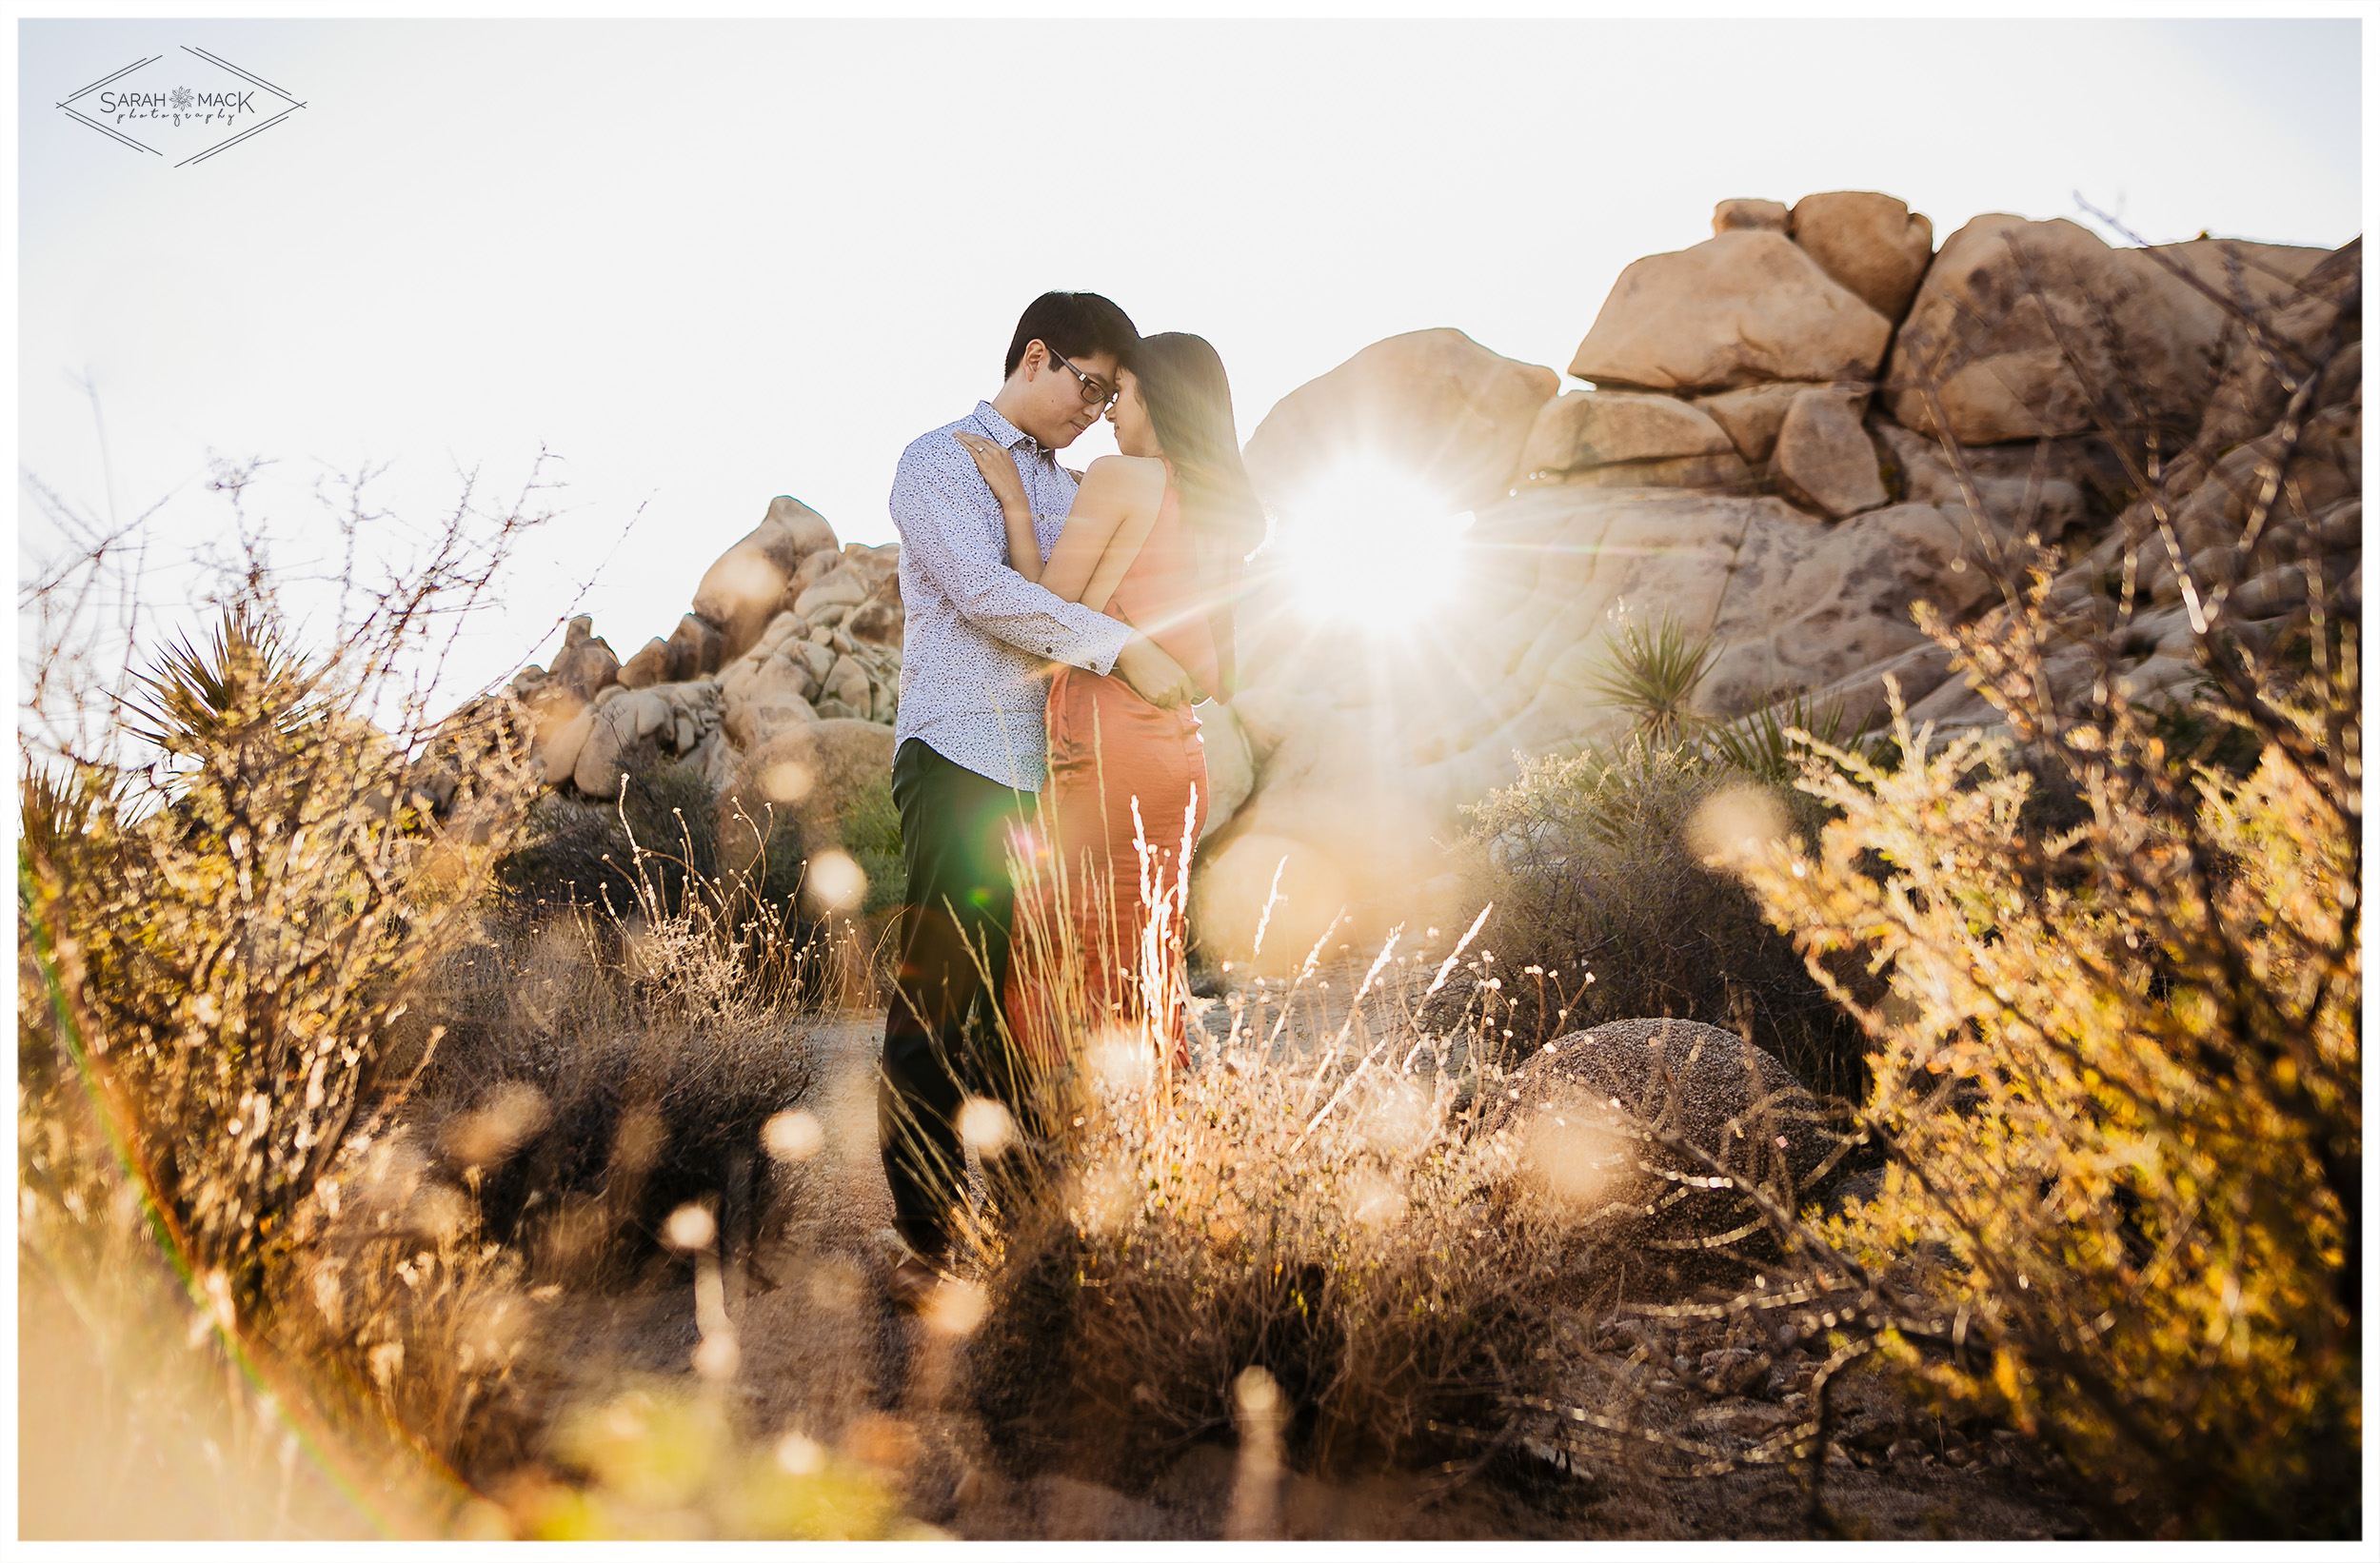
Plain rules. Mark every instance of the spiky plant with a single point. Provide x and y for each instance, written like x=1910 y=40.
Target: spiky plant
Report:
x=1760 y=743
x=1651 y=673
x=195 y=702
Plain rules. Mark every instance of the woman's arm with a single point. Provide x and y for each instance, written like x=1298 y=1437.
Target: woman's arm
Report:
x=1114 y=510
x=1016 y=509
x=1113 y=514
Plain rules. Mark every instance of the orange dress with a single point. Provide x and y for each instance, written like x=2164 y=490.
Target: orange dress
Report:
x=1123 y=803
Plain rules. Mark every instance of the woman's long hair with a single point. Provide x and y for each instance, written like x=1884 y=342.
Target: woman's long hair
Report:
x=1189 y=402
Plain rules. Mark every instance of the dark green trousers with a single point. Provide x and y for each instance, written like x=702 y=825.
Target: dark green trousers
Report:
x=939 y=1045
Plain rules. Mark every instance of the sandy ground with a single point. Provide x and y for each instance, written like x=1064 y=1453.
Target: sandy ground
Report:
x=821 y=1353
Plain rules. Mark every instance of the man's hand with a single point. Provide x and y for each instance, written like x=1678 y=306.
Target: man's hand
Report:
x=1153 y=675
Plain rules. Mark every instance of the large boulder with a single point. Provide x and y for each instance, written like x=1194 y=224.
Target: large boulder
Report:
x=1752 y=414
x=586 y=662
x=1740 y=307
x=696 y=647
x=1230 y=766
x=1592 y=1117
x=1595 y=428
x=1330 y=815
x=1433 y=406
x=1872 y=244
x=744 y=588
x=2039 y=329
x=1823 y=457
x=649 y=666
x=1718 y=469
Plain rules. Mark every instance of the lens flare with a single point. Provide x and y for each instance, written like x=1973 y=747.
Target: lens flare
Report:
x=1370 y=544
x=1736 y=827
x=985 y=1126
x=689 y=1227
x=837 y=883
x=792 y=1136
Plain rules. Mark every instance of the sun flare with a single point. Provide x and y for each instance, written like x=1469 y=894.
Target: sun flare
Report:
x=1371 y=544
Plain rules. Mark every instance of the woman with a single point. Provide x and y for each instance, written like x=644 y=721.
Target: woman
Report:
x=1156 y=538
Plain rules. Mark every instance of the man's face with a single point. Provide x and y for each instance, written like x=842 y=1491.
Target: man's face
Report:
x=1053 y=408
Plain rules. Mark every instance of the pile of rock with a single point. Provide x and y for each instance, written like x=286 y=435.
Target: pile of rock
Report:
x=788 y=627
x=1752 y=354
x=1766 y=454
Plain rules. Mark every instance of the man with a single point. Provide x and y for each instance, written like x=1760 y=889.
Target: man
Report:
x=969 y=743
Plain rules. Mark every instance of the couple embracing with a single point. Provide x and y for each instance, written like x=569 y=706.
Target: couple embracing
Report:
x=1059 y=631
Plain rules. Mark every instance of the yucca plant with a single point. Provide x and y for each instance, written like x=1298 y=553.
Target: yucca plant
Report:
x=1763 y=743
x=1651 y=673
x=195 y=703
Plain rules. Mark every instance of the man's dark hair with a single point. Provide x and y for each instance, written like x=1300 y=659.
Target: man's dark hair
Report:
x=1073 y=324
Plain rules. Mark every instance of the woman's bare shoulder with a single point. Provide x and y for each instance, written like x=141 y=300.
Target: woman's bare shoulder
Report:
x=1138 y=475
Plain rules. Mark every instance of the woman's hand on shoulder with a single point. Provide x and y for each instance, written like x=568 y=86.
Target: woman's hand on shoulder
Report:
x=998 y=467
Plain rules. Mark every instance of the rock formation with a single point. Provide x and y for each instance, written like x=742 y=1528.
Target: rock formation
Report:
x=788 y=628
x=1762 y=456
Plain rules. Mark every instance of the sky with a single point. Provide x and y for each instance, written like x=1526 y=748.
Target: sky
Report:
x=703 y=264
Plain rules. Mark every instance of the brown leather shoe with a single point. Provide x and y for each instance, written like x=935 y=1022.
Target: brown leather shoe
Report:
x=911 y=1283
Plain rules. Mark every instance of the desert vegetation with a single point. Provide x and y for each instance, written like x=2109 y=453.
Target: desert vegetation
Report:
x=1817 y=1124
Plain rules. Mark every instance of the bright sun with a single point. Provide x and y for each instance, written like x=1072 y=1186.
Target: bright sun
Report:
x=1371 y=544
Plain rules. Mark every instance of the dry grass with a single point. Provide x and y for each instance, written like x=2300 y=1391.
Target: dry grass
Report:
x=1297 y=1246
x=318 y=1122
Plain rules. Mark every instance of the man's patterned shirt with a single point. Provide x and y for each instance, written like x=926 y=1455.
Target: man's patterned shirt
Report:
x=976 y=653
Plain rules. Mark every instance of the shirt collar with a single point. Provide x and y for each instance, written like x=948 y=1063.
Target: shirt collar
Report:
x=1008 y=434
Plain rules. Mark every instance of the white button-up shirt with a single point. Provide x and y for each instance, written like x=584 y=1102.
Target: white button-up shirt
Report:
x=980 y=638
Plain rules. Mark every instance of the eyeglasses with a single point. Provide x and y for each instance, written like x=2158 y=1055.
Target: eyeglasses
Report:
x=1095 y=390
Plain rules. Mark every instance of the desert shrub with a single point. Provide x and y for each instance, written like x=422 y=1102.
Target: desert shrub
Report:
x=224 y=940
x=399 y=1298
x=596 y=1072
x=1217 y=1236
x=2120 y=1068
x=604 y=854
x=318 y=1099
x=2126 y=1107
x=1604 y=910
x=238 y=859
